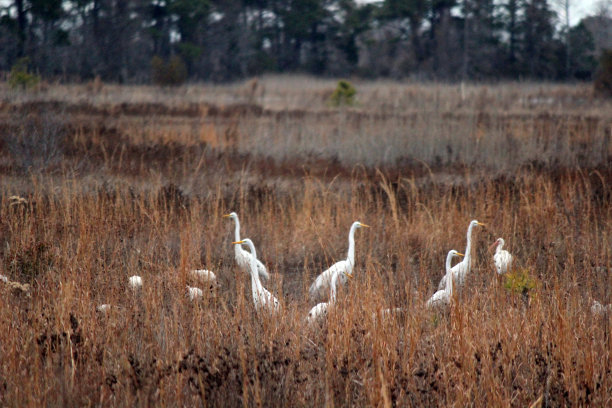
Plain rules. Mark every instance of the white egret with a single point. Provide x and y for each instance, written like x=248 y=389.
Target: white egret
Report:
x=443 y=296
x=243 y=258
x=103 y=308
x=461 y=270
x=204 y=275
x=261 y=297
x=194 y=293
x=343 y=268
x=321 y=309
x=599 y=309
x=502 y=258
x=135 y=282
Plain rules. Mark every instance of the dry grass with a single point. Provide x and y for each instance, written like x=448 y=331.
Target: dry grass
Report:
x=141 y=193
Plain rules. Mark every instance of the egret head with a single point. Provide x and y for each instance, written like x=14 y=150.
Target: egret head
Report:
x=475 y=222
x=456 y=253
x=231 y=215
x=358 y=224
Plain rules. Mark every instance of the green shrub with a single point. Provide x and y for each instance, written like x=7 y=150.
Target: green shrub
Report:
x=20 y=77
x=170 y=73
x=519 y=281
x=603 y=76
x=344 y=94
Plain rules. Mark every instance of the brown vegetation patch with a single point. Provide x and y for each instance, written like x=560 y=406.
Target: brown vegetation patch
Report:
x=140 y=195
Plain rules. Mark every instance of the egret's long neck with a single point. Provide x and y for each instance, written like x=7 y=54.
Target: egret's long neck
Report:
x=332 y=285
x=449 y=275
x=351 y=248
x=468 y=248
x=237 y=248
x=256 y=283
x=237 y=229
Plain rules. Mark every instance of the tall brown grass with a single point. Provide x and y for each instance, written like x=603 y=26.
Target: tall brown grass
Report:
x=127 y=201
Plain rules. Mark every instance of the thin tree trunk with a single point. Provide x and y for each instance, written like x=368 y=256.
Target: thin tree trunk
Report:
x=21 y=27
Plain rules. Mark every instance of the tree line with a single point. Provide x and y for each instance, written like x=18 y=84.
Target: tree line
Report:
x=139 y=40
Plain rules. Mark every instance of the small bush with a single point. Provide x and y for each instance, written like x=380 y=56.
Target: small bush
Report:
x=603 y=76
x=520 y=282
x=20 y=77
x=170 y=73
x=37 y=144
x=344 y=94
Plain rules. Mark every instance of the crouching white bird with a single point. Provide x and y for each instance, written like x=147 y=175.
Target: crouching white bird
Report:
x=261 y=297
x=462 y=269
x=321 y=309
x=343 y=269
x=203 y=275
x=243 y=258
x=135 y=282
x=103 y=308
x=599 y=309
x=501 y=258
x=444 y=296
x=194 y=293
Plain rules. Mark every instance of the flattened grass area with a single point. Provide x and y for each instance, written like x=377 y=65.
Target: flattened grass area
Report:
x=136 y=182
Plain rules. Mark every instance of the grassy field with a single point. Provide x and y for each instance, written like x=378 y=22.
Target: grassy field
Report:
x=120 y=181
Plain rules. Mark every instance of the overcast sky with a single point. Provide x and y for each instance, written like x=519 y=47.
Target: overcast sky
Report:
x=578 y=8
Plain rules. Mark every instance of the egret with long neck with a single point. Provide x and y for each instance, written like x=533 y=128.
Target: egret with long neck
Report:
x=343 y=269
x=242 y=256
x=461 y=270
x=444 y=296
x=262 y=298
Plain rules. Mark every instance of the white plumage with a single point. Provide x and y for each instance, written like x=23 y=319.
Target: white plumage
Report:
x=103 y=308
x=342 y=269
x=262 y=298
x=135 y=282
x=194 y=293
x=462 y=269
x=502 y=258
x=321 y=309
x=203 y=275
x=243 y=258
x=444 y=296
x=599 y=309
x=317 y=312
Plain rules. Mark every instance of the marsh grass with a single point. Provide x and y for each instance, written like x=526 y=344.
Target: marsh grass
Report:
x=152 y=206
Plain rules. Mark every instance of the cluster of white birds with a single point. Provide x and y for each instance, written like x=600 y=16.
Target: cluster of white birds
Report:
x=326 y=284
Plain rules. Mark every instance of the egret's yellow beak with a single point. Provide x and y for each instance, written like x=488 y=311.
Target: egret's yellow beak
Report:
x=481 y=224
x=238 y=242
x=364 y=225
x=350 y=276
x=226 y=215
x=459 y=254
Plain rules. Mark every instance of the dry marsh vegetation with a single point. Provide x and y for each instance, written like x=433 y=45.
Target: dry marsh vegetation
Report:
x=138 y=186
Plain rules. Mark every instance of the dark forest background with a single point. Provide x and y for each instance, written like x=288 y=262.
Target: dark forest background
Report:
x=137 y=41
